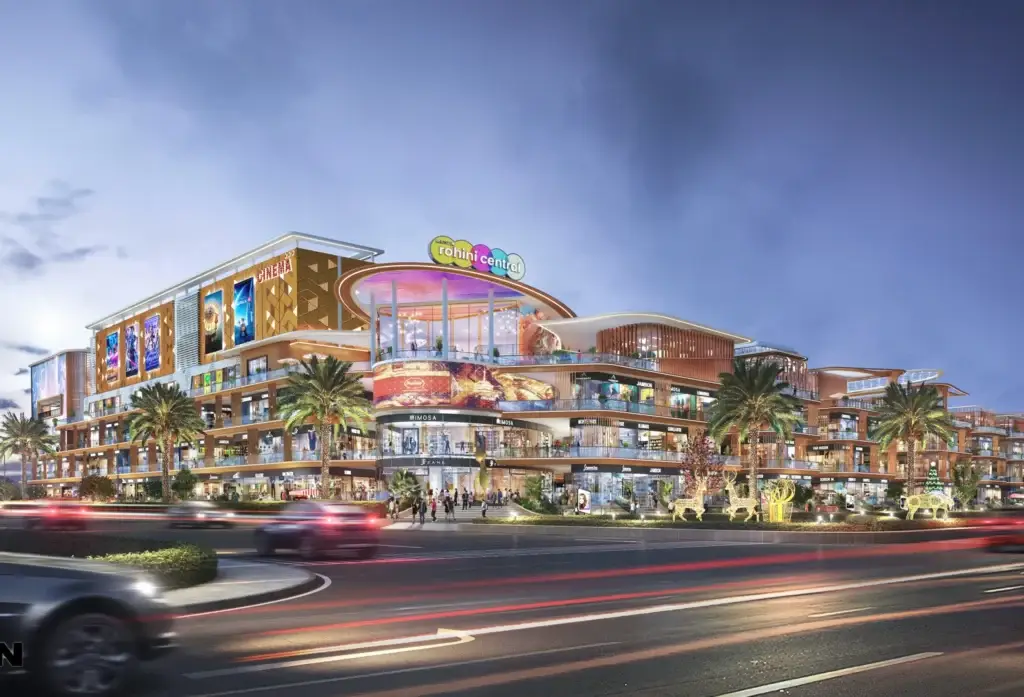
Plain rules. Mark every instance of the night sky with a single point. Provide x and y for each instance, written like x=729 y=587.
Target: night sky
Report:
x=842 y=177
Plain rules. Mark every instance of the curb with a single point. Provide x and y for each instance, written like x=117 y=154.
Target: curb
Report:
x=313 y=582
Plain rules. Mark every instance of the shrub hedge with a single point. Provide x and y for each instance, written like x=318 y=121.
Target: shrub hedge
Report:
x=174 y=565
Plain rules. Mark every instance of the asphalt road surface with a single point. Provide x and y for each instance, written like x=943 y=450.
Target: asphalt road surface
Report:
x=498 y=614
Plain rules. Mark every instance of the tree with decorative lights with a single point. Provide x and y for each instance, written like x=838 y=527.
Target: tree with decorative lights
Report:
x=702 y=464
x=932 y=483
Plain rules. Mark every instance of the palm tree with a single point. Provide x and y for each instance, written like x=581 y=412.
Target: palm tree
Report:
x=753 y=397
x=324 y=392
x=167 y=415
x=909 y=413
x=28 y=438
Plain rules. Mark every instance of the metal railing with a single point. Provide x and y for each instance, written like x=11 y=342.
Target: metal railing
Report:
x=844 y=435
x=612 y=405
x=559 y=358
x=843 y=403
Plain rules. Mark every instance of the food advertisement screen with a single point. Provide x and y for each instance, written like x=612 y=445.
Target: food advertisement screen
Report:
x=444 y=383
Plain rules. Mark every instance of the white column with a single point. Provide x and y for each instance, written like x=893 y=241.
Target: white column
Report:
x=444 y=318
x=373 y=329
x=394 y=319
x=490 y=324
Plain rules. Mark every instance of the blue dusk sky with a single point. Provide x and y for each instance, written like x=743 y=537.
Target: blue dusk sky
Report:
x=844 y=178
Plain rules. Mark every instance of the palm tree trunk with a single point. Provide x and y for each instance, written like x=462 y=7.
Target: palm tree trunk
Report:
x=325 y=463
x=24 y=474
x=755 y=439
x=911 y=465
x=165 y=474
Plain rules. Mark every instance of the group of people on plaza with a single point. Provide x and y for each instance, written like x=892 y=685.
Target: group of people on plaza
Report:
x=449 y=500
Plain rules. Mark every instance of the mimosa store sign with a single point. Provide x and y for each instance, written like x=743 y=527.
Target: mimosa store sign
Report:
x=460 y=253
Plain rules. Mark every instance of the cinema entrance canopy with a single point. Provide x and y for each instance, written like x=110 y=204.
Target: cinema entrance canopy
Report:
x=416 y=308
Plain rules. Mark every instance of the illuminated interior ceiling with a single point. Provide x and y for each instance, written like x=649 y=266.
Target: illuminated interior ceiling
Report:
x=419 y=286
x=582 y=331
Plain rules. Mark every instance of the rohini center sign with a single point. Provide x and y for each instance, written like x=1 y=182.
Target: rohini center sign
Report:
x=448 y=252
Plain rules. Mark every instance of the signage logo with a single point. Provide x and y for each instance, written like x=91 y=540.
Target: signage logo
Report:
x=644 y=383
x=504 y=422
x=424 y=417
x=448 y=252
x=626 y=469
x=655 y=470
x=589 y=468
x=276 y=270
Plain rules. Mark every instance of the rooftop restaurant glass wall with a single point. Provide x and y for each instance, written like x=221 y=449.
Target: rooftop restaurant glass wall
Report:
x=420 y=327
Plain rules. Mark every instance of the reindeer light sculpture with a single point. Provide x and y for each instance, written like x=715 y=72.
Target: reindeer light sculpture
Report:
x=695 y=503
x=738 y=503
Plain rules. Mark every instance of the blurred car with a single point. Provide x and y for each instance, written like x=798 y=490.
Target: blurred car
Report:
x=199 y=514
x=315 y=528
x=1010 y=542
x=85 y=626
x=57 y=515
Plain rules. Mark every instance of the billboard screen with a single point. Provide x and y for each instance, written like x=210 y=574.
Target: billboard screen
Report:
x=243 y=306
x=112 y=360
x=131 y=350
x=48 y=380
x=213 y=322
x=151 y=329
x=444 y=383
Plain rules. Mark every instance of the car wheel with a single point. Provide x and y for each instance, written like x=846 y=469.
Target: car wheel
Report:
x=366 y=552
x=264 y=547
x=308 y=548
x=92 y=654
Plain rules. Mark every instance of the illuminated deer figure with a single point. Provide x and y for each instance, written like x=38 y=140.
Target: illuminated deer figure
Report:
x=695 y=503
x=736 y=503
x=935 y=500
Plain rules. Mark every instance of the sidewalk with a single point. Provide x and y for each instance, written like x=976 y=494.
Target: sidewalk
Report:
x=241 y=583
x=463 y=518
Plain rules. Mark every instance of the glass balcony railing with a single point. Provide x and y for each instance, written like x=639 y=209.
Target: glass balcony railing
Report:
x=995 y=430
x=1013 y=455
x=612 y=405
x=854 y=404
x=561 y=358
x=844 y=435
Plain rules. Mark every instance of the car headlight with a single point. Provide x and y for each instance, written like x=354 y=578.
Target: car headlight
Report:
x=146 y=588
x=230 y=515
x=200 y=515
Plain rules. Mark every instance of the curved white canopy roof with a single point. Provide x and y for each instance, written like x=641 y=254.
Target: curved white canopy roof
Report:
x=582 y=331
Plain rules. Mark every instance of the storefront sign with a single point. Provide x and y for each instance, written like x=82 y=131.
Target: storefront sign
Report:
x=459 y=253
x=680 y=389
x=644 y=383
x=627 y=469
x=275 y=270
x=435 y=461
x=287 y=474
x=461 y=419
x=573 y=423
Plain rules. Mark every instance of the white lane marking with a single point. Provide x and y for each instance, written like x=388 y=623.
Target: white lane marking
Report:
x=325 y=586
x=440 y=641
x=635 y=612
x=402 y=546
x=606 y=539
x=403 y=671
x=821 y=677
x=1003 y=590
x=840 y=612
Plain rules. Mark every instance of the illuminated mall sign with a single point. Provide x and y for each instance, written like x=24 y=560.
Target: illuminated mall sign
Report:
x=479 y=257
x=276 y=270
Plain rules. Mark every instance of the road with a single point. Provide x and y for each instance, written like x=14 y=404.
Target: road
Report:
x=498 y=614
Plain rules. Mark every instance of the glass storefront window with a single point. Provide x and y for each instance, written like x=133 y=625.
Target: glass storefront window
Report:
x=256 y=366
x=689 y=403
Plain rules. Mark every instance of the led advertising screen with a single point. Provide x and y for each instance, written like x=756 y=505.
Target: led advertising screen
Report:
x=151 y=330
x=131 y=350
x=243 y=306
x=112 y=361
x=213 y=322
x=47 y=380
x=444 y=383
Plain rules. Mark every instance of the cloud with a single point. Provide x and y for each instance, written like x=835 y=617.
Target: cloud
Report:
x=22 y=371
x=34 y=242
x=25 y=348
x=7 y=404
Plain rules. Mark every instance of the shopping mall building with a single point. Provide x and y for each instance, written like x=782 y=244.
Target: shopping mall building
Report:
x=462 y=360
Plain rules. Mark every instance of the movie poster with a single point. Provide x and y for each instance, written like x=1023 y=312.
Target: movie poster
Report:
x=151 y=329
x=213 y=322
x=131 y=350
x=243 y=307
x=112 y=361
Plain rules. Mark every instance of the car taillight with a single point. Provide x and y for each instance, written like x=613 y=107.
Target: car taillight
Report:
x=371 y=520
x=51 y=511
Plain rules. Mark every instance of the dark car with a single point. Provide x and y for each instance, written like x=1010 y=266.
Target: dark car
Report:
x=199 y=514
x=84 y=625
x=57 y=515
x=316 y=528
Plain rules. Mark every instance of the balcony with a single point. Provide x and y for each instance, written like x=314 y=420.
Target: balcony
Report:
x=853 y=404
x=844 y=435
x=994 y=430
x=810 y=395
x=805 y=429
x=611 y=405
x=1013 y=455
x=563 y=358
